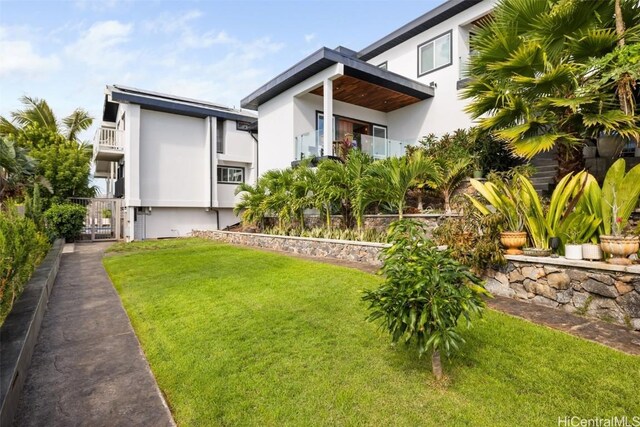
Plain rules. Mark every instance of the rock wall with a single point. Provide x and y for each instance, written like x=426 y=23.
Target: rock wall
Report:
x=610 y=293
x=363 y=252
x=379 y=222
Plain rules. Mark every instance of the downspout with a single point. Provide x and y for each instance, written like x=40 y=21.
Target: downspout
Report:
x=210 y=162
x=211 y=174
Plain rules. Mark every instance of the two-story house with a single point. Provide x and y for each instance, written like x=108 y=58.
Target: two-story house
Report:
x=388 y=95
x=175 y=162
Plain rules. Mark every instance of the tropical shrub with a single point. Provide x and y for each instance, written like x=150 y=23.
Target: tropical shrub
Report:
x=425 y=293
x=473 y=239
x=22 y=247
x=65 y=220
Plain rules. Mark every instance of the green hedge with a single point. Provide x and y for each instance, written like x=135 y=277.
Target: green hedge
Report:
x=22 y=247
x=65 y=220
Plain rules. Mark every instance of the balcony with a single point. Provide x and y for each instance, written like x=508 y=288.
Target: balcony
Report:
x=310 y=144
x=107 y=144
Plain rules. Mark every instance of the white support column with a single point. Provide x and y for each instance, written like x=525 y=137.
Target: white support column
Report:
x=328 y=116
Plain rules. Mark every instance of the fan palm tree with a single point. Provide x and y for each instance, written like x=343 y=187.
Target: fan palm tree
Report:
x=529 y=76
x=37 y=111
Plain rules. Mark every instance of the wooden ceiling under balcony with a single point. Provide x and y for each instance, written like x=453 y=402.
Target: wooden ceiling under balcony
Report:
x=359 y=92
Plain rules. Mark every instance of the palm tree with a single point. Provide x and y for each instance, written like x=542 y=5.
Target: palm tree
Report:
x=529 y=74
x=453 y=171
x=391 y=179
x=251 y=204
x=37 y=111
x=278 y=185
x=16 y=168
x=331 y=188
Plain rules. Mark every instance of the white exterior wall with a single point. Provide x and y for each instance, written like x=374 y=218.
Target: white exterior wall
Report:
x=445 y=112
x=179 y=222
x=276 y=129
x=168 y=166
x=172 y=167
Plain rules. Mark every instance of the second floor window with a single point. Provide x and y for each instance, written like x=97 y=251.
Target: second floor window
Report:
x=434 y=54
x=230 y=175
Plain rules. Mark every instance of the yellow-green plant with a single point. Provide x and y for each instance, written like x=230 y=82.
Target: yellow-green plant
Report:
x=503 y=196
x=541 y=223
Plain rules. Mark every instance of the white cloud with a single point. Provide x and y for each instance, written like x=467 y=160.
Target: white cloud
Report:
x=188 y=38
x=20 y=57
x=99 y=46
x=308 y=38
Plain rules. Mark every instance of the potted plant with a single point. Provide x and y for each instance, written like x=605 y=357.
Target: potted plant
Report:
x=106 y=216
x=502 y=196
x=573 y=245
x=620 y=193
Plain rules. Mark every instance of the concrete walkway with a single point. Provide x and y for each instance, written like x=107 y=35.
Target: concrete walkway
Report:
x=88 y=367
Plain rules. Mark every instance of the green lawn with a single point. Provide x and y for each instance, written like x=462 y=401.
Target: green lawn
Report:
x=242 y=337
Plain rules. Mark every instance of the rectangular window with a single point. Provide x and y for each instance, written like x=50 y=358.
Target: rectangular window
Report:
x=220 y=136
x=434 y=54
x=230 y=175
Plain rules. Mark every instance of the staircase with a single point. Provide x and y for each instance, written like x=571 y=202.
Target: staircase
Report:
x=546 y=169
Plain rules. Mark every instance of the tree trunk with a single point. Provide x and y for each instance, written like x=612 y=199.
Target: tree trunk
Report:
x=447 y=202
x=625 y=83
x=436 y=365
x=419 y=197
x=400 y=210
x=570 y=159
x=328 y=213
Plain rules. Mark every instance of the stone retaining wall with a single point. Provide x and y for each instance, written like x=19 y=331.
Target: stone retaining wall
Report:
x=593 y=289
x=378 y=222
x=347 y=250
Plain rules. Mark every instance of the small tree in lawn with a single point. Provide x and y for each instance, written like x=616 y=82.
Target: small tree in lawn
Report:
x=425 y=293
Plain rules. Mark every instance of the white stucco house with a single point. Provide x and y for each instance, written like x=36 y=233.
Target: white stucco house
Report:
x=174 y=162
x=389 y=94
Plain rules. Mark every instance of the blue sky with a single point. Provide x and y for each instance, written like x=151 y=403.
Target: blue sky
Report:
x=219 y=51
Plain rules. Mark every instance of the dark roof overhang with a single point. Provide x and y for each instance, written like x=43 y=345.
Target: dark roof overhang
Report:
x=417 y=26
x=169 y=104
x=324 y=58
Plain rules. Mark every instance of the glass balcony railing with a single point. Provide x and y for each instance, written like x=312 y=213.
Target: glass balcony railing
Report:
x=311 y=144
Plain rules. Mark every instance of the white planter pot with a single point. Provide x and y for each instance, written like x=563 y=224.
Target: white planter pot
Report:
x=610 y=146
x=573 y=251
x=591 y=252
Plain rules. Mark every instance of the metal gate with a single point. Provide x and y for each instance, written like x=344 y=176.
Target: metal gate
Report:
x=103 y=220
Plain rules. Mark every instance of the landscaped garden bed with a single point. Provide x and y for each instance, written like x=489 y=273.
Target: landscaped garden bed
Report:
x=240 y=336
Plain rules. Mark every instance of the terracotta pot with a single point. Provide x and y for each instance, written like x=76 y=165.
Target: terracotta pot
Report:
x=619 y=248
x=513 y=241
x=591 y=252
